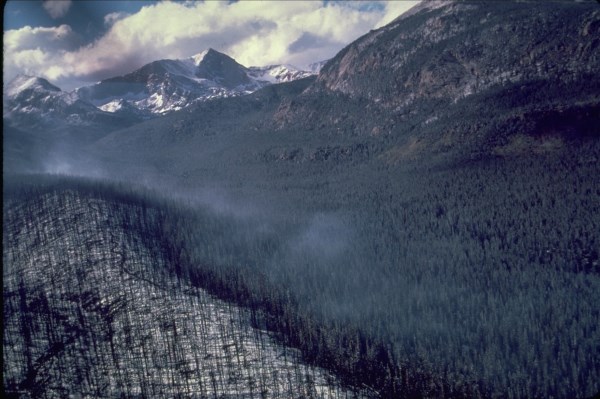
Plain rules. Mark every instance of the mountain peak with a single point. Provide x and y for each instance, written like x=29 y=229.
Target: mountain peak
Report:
x=207 y=54
x=171 y=84
x=25 y=82
x=220 y=68
x=197 y=58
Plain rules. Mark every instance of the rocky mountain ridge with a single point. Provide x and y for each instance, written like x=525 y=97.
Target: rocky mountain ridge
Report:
x=430 y=62
x=35 y=105
x=448 y=56
x=157 y=88
x=169 y=85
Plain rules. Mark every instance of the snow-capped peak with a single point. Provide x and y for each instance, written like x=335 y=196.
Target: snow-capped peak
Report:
x=169 y=85
x=42 y=103
x=24 y=82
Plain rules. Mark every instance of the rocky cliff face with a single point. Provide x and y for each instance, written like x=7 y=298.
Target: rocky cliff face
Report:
x=455 y=49
x=427 y=62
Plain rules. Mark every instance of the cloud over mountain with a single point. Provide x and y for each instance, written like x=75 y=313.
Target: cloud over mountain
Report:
x=254 y=33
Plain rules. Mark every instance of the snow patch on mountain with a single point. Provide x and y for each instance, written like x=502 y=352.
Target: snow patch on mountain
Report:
x=34 y=104
x=32 y=95
x=24 y=82
x=112 y=106
x=159 y=87
x=277 y=73
x=169 y=85
x=198 y=58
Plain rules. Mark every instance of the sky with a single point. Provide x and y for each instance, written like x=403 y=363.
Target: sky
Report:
x=75 y=43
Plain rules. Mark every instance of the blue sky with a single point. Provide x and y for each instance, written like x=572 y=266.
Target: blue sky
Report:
x=85 y=17
x=73 y=43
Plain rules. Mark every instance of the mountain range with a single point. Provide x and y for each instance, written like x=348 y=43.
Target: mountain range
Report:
x=431 y=86
x=157 y=88
x=169 y=85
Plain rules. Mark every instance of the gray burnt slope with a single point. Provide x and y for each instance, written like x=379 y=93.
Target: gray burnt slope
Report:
x=91 y=310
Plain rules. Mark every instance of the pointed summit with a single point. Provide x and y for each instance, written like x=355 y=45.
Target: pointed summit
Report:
x=197 y=58
x=210 y=52
x=220 y=68
x=22 y=83
x=171 y=84
x=31 y=102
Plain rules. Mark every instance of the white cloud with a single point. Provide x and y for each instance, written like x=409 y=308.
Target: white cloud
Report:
x=113 y=17
x=252 y=32
x=38 y=51
x=59 y=37
x=57 y=8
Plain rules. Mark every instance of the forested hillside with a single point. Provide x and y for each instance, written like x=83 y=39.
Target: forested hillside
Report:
x=493 y=276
